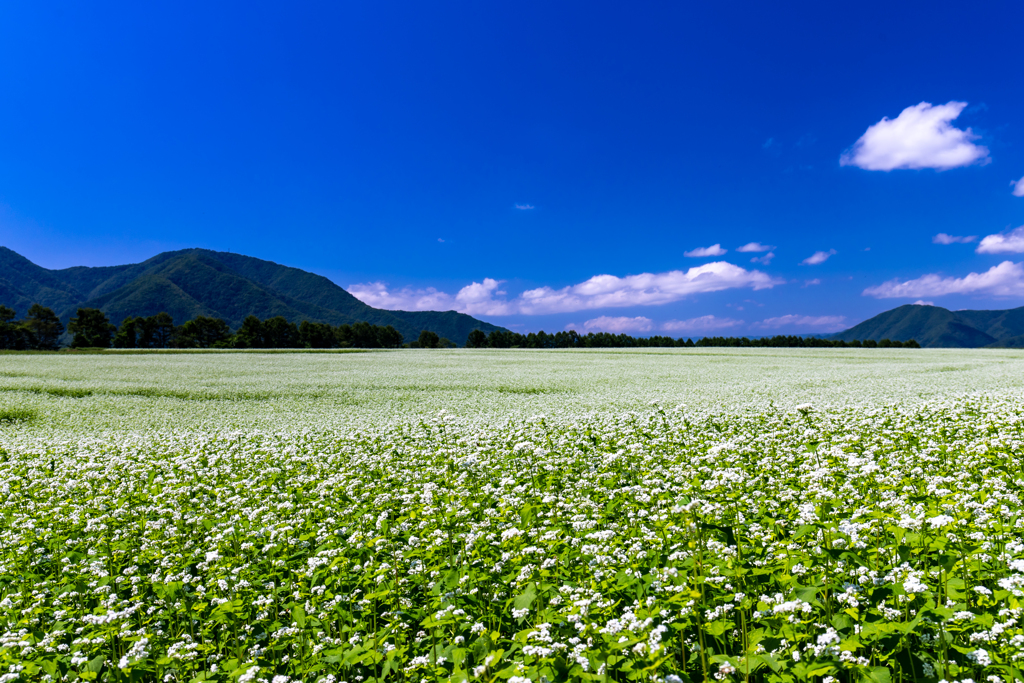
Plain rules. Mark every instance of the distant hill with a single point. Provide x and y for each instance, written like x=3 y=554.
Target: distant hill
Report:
x=195 y=282
x=934 y=326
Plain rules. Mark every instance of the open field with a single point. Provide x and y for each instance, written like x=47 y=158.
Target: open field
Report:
x=512 y=515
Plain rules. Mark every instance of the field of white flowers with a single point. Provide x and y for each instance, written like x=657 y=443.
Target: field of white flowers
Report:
x=682 y=515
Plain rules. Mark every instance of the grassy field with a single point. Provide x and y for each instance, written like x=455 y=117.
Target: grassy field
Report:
x=678 y=515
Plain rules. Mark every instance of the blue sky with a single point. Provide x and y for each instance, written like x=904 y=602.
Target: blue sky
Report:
x=536 y=164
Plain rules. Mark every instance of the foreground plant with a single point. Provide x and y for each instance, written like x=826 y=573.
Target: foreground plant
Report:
x=671 y=545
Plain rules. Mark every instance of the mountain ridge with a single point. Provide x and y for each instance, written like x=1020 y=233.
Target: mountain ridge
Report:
x=937 y=327
x=190 y=282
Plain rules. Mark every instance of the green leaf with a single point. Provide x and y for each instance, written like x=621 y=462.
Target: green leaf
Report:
x=96 y=664
x=299 y=615
x=526 y=598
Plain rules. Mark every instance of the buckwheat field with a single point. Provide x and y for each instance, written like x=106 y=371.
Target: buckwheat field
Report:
x=636 y=515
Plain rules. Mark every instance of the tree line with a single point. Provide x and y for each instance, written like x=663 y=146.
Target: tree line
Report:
x=41 y=330
x=571 y=339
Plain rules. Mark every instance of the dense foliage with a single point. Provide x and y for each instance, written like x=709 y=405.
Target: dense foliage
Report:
x=777 y=541
x=39 y=330
x=571 y=339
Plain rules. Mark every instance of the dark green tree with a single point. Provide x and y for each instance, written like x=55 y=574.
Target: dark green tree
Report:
x=201 y=333
x=11 y=335
x=388 y=337
x=250 y=334
x=428 y=339
x=476 y=340
x=316 y=335
x=364 y=336
x=42 y=329
x=156 y=331
x=278 y=333
x=91 y=328
x=127 y=336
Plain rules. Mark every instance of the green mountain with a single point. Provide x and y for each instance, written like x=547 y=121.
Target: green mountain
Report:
x=933 y=326
x=196 y=282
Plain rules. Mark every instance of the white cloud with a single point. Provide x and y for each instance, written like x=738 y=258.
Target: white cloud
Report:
x=1003 y=243
x=920 y=137
x=378 y=295
x=645 y=289
x=705 y=323
x=618 y=324
x=478 y=299
x=755 y=246
x=811 y=283
x=1018 y=187
x=943 y=238
x=764 y=260
x=1006 y=279
x=525 y=207
x=474 y=299
x=821 y=323
x=921 y=302
x=600 y=291
x=701 y=252
x=818 y=257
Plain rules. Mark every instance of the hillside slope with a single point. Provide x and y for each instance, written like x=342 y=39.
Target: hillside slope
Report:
x=934 y=326
x=194 y=282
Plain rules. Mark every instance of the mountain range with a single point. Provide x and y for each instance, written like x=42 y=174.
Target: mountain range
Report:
x=934 y=326
x=194 y=282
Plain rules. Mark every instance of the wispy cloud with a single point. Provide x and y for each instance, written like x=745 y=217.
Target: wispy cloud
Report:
x=765 y=260
x=525 y=207
x=755 y=246
x=600 y=291
x=1011 y=242
x=1018 y=187
x=705 y=323
x=818 y=257
x=821 y=323
x=1006 y=279
x=618 y=324
x=920 y=137
x=943 y=238
x=811 y=283
x=701 y=252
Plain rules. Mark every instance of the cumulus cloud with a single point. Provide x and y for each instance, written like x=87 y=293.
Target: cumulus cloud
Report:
x=821 y=323
x=705 y=323
x=764 y=260
x=600 y=291
x=755 y=246
x=618 y=324
x=1018 y=187
x=818 y=257
x=378 y=295
x=1006 y=279
x=474 y=299
x=920 y=137
x=701 y=252
x=1003 y=243
x=921 y=302
x=943 y=238
x=525 y=207
x=645 y=289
